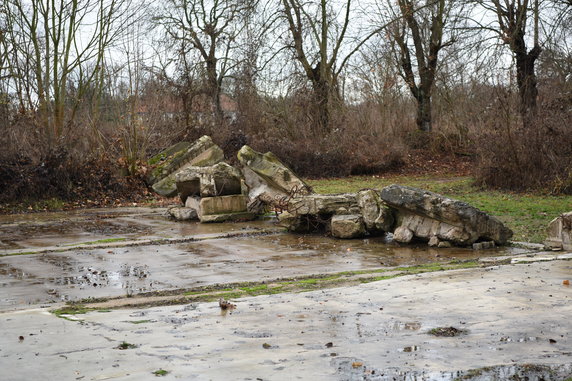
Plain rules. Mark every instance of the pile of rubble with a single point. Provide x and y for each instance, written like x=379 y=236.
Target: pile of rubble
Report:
x=214 y=191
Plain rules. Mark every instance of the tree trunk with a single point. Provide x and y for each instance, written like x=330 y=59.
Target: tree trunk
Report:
x=322 y=95
x=214 y=87
x=424 y=121
x=526 y=82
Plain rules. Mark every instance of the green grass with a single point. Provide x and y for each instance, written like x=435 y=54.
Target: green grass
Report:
x=527 y=214
x=161 y=372
x=100 y=241
x=139 y=321
x=72 y=309
x=125 y=345
x=303 y=284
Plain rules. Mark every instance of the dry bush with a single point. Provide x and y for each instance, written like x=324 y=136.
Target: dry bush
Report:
x=80 y=165
x=536 y=157
x=361 y=139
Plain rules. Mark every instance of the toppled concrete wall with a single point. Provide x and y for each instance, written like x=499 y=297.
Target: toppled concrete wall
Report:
x=345 y=215
x=168 y=163
x=408 y=213
x=427 y=214
x=560 y=233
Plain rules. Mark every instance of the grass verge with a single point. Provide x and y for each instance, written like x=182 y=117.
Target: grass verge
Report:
x=300 y=284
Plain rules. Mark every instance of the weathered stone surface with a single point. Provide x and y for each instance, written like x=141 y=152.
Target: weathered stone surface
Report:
x=377 y=216
x=203 y=152
x=293 y=222
x=217 y=180
x=268 y=179
x=180 y=213
x=560 y=233
x=166 y=161
x=347 y=226
x=325 y=204
x=433 y=241
x=223 y=205
x=228 y=217
x=403 y=235
x=426 y=214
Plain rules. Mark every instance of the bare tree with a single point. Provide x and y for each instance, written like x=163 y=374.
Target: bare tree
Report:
x=419 y=35
x=50 y=42
x=323 y=46
x=209 y=28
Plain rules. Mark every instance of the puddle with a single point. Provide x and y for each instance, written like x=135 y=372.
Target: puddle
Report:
x=125 y=271
x=530 y=372
x=37 y=231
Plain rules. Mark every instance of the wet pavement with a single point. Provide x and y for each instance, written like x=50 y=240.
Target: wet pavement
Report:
x=515 y=318
x=126 y=270
x=510 y=316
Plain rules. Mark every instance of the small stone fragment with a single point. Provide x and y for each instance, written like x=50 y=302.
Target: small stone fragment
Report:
x=433 y=241
x=350 y=226
x=403 y=235
x=444 y=244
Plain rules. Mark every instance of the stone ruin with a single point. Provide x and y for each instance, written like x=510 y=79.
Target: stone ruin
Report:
x=214 y=191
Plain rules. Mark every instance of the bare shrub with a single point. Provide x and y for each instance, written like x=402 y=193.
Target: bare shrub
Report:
x=535 y=158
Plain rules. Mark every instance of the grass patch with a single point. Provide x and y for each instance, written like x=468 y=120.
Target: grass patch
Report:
x=161 y=372
x=74 y=309
x=100 y=241
x=139 y=321
x=255 y=289
x=303 y=284
x=527 y=214
x=125 y=345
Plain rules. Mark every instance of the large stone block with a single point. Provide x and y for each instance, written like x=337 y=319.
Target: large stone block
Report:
x=377 y=216
x=448 y=219
x=168 y=163
x=217 y=180
x=325 y=204
x=347 y=226
x=560 y=233
x=180 y=213
x=223 y=205
x=268 y=179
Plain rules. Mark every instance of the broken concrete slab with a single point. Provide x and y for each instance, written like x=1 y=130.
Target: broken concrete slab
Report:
x=220 y=179
x=221 y=208
x=223 y=204
x=181 y=213
x=324 y=204
x=378 y=217
x=347 y=226
x=228 y=217
x=168 y=163
x=426 y=214
x=268 y=178
x=560 y=233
